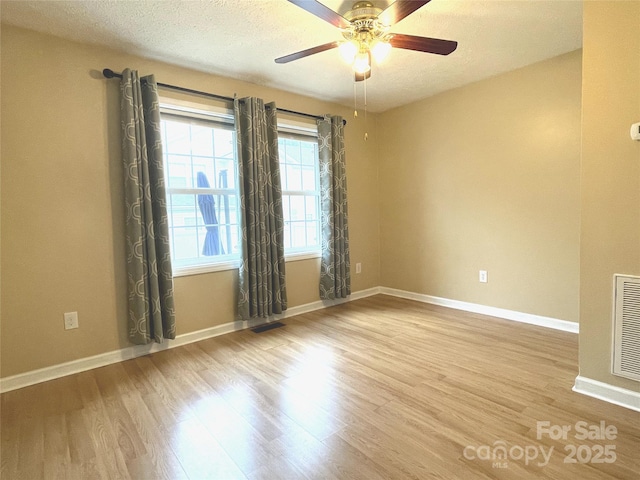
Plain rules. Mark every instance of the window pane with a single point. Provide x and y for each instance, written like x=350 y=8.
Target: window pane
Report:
x=178 y=171
x=298 y=234
x=184 y=243
x=203 y=226
x=229 y=238
x=224 y=143
x=307 y=154
x=204 y=175
x=226 y=208
x=235 y=239
x=301 y=199
x=287 y=235
x=183 y=210
x=297 y=210
x=311 y=208
x=201 y=236
x=225 y=173
x=284 y=178
x=178 y=137
x=308 y=178
x=201 y=141
x=292 y=149
x=313 y=230
x=294 y=177
x=285 y=208
x=206 y=210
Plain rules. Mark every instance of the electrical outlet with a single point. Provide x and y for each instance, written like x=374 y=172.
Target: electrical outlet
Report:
x=70 y=320
x=483 y=277
x=358 y=268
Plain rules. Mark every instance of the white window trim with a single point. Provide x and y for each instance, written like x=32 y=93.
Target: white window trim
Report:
x=235 y=264
x=206 y=268
x=224 y=118
x=296 y=129
x=305 y=255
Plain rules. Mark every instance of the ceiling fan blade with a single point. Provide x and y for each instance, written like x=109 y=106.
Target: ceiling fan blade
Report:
x=423 y=44
x=359 y=77
x=321 y=11
x=399 y=10
x=305 y=53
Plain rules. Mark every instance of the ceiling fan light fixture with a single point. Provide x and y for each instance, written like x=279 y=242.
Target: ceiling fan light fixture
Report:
x=361 y=63
x=380 y=50
x=348 y=51
x=365 y=32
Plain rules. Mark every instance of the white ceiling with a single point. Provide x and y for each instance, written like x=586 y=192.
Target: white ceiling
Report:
x=241 y=39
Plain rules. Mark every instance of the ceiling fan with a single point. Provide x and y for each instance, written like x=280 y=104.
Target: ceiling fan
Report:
x=365 y=29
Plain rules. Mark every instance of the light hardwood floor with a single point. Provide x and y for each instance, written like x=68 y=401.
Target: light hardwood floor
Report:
x=376 y=388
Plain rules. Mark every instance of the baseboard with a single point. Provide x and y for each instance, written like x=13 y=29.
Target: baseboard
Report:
x=608 y=393
x=486 y=310
x=83 y=364
x=320 y=304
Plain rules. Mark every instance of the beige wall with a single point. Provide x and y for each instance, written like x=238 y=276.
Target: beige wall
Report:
x=62 y=210
x=610 y=231
x=487 y=177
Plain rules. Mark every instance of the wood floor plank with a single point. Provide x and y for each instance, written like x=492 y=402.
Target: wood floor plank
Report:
x=56 y=444
x=158 y=460
x=277 y=467
x=175 y=408
x=242 y=443
x=9 y=434
x=200 y=455
x=378 y=388
x=239 y=396
x=80 y=446
x=304 y=451
x=129 y=442
x=94 y=413
x=31 y=448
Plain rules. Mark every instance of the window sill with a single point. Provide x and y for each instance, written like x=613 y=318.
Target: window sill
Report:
x=188 y=271
x=294 y=257
x=210 y=268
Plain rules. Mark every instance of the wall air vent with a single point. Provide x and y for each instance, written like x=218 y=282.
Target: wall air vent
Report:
x=626 y=333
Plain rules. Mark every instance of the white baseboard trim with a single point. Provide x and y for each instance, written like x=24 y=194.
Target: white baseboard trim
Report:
x=608 y=393
x=88 y=363
x=529 y=318
x=83 y=364
x=320 y=304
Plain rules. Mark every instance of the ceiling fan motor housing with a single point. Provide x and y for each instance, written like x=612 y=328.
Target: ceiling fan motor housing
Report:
x=364 y=28
x=362 y=11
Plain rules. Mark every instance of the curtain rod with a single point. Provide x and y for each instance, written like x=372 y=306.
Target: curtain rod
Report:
x=108 y=73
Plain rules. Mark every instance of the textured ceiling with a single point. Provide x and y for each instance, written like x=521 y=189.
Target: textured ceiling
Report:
x=241 y=39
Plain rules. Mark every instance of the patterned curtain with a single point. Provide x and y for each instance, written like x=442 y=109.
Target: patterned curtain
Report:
x=335 y=271
x=262 y=290
x=150 y=280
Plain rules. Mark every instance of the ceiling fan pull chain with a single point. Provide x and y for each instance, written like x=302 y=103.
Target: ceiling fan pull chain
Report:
x=355 y=99
x=366 y=135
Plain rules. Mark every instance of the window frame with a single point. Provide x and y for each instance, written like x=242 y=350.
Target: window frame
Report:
x=213 y=117
x=303 y=131
x=222 y=115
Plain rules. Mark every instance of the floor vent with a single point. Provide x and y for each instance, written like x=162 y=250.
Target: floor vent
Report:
x=626 y=342
x=267 y=326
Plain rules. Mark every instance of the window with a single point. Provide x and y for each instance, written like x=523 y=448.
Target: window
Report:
x=299 y=171
x=199 y=149
x=203 y=201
